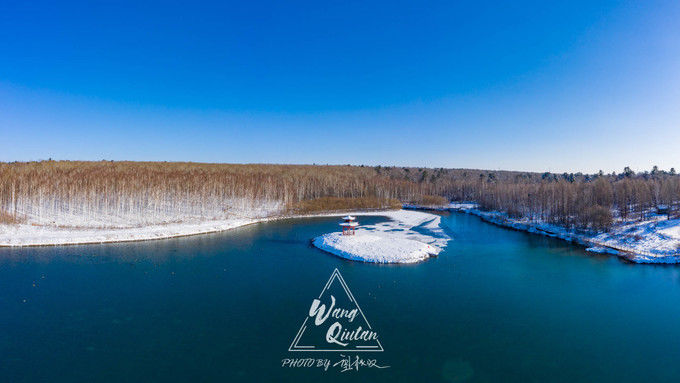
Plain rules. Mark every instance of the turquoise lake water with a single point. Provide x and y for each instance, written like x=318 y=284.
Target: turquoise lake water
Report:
x=496 y=306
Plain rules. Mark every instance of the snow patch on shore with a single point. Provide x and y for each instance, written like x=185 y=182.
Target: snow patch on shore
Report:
x=36 y=235
x=64 y=224
x=409 y=236
x=83 y=215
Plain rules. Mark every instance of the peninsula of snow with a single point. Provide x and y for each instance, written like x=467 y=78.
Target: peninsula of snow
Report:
x=409 y=236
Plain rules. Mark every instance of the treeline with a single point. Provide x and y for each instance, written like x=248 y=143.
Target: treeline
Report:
x=56 y=191
x=108 y=193
x=331 y=204
x=588 y=204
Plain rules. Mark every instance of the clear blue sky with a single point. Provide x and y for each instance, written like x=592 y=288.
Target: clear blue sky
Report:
x=559 y=86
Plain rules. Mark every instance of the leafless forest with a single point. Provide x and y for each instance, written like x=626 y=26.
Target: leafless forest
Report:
x=64 y=192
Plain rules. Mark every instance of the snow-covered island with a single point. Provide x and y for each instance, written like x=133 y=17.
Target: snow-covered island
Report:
x=409 y=236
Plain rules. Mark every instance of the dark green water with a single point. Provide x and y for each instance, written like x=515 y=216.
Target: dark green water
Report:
x=495 y=306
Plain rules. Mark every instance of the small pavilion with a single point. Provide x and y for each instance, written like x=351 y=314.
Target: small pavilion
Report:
x=348 y=225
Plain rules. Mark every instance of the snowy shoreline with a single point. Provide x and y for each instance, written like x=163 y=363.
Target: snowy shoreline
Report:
x=26 y=235
x=651 y=241
x=30 y=235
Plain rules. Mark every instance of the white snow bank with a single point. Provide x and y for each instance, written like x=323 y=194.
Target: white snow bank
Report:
x=65 y=225
x=374 y=248
x=652 y=241
x=34 y=235
x=670 y=229
x=410 y=236
x=141 y=213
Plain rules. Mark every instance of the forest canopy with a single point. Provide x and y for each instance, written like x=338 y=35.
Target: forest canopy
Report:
x=570 y=199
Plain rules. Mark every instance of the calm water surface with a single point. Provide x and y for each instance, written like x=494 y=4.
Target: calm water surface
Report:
x=496 y=305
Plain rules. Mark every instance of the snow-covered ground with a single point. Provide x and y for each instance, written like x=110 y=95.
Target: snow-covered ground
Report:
x=35 y=235
x=656 y=240
x=138 y=212
x=409 y=236
x=65 y=225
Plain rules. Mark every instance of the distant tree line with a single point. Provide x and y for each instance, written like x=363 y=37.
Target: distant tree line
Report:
x=46 y=190
x=574 y=200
